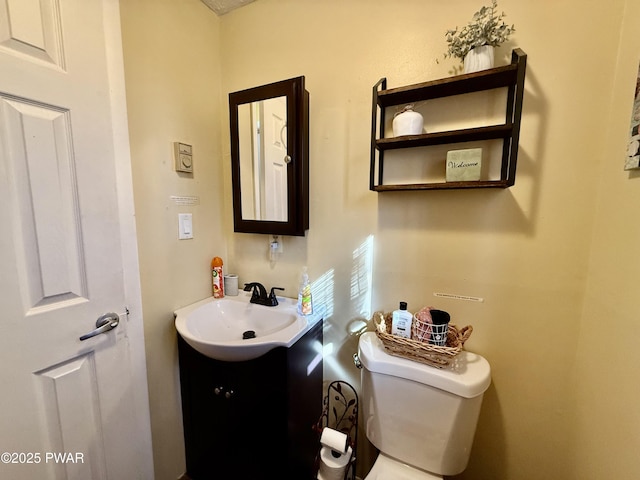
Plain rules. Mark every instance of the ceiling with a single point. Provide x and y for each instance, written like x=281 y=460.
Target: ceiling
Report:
x=225 y=6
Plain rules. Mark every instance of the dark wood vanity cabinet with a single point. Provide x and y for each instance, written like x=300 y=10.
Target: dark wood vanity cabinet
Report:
x=252 y=420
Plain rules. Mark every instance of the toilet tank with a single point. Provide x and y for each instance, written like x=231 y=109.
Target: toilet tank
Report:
x=421 y=415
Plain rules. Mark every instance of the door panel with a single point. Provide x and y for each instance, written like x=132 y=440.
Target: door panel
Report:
x=41 y=177
x=32 y=28
x=73 y=421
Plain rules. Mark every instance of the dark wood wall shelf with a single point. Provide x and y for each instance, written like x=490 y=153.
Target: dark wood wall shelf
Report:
x=510 y=77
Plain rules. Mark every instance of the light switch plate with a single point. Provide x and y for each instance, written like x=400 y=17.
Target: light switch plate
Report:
x=183 y=154
x=185 y=226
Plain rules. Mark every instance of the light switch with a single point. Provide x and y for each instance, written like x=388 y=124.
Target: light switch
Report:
x=185 y=226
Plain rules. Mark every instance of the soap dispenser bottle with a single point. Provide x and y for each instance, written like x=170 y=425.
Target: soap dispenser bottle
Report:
x=305 y=304
x=401 y=321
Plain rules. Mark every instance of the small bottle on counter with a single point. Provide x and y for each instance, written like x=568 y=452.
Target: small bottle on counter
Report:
x=401 y=321
x=217 y=277
x=305 y=303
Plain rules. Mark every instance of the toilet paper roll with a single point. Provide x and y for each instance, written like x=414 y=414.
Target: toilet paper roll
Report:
x=332 y=468
x=231 y=284
x=334 y=439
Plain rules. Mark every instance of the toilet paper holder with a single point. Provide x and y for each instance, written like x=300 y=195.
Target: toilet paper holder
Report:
x=337 y=427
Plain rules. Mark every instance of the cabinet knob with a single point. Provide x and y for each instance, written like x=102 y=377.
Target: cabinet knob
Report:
x=217 y=390
x=228 y=394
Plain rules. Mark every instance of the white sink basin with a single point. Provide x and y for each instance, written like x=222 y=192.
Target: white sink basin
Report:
x=215 y=326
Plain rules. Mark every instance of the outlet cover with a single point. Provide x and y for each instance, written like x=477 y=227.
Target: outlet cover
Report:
x=185 y=226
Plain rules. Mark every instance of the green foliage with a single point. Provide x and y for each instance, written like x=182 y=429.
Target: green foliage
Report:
x=486 y=28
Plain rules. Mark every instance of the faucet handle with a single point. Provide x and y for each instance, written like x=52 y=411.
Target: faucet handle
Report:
x=272 y=295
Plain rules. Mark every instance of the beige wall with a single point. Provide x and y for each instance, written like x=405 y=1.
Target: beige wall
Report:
x=608 y=418
x=172 y=70
x=552 y=257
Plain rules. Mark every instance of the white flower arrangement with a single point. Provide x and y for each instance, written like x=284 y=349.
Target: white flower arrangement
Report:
x=486 y=28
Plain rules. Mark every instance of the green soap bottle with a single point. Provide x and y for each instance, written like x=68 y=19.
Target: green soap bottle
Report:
x=305 y=303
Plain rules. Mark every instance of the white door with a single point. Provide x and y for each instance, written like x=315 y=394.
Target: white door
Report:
x=70 y=409
x=275 y=151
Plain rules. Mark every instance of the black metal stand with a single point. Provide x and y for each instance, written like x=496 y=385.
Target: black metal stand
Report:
x=341 y=413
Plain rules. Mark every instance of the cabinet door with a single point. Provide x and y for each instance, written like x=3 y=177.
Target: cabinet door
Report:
x=305 y=396
x=205 y=415
x=257 y=416
x=235 y=415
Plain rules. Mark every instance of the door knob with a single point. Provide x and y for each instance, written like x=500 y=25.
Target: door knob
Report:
x=105 y=322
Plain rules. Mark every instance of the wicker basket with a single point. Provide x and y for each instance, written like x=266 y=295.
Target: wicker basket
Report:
x=423 y=352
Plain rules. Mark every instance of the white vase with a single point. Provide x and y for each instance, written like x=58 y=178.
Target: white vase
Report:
x=407 y=122
x=479 y=58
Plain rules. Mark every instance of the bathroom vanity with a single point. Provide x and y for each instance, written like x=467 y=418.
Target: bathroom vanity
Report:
x=253 y=419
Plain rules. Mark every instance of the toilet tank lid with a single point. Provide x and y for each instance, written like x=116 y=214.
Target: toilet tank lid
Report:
x=469 y=376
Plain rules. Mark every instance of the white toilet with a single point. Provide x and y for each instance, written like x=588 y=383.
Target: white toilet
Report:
x=421 y=418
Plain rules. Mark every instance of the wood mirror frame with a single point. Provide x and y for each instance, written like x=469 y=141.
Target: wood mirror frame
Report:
x=297 y=157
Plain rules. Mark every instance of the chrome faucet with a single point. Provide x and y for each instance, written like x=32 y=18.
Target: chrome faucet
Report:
x=259 y=295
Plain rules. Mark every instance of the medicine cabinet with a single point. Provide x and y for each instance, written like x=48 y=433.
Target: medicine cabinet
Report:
x=270 y=158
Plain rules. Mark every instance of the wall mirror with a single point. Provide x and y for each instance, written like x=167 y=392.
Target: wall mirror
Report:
x=270 y=158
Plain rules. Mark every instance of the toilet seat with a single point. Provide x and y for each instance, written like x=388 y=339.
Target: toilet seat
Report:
x=386 y=468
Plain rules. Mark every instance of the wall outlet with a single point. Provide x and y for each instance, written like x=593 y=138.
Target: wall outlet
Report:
x=275 y=244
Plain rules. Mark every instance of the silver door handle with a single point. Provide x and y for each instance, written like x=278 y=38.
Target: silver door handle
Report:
x=105 y=322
